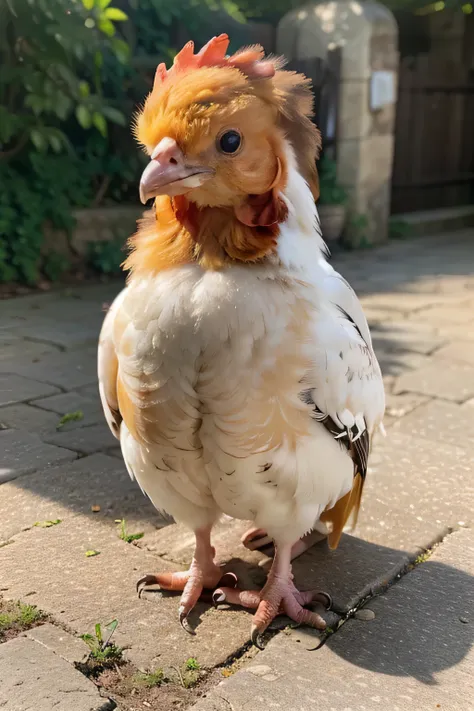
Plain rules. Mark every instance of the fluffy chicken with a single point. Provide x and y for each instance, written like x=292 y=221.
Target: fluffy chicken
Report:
x=236 y=368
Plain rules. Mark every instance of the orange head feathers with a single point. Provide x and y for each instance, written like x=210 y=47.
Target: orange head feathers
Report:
x=215 y=128
x=213 y=54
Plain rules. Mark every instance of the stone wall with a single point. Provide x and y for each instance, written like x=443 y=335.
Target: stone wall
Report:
x=366 y=33
x=92 y=225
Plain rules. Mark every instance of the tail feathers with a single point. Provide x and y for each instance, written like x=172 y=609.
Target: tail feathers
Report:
x=345 y=513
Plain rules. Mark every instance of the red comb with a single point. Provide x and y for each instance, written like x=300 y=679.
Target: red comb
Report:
x=213 y=54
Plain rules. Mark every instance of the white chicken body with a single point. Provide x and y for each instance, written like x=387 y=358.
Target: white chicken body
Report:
x=219 y=361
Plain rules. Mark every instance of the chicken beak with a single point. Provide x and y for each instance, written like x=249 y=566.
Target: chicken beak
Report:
x=168 y=173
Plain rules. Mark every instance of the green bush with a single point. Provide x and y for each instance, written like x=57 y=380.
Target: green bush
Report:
x=331 y=193
x=55 y=114
x=72 y=74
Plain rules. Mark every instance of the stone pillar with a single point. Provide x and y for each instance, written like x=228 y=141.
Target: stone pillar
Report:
x=366 y=33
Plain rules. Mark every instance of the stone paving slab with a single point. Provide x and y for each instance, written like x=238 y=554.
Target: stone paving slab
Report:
x=406 y=336
x=393 y=362
x=416 y=654
x=64 y=334
x=397 y=406
x=33 y=678
x=72 y=402
x=456 y=333
x=90 y=391
x=412 y=491
x=16 y=388
x=70 y=648
x=26 y=417
x=85 y=440
x=406 y=301
x=442 y=379
x=438 y=421
x=23 y=453
x=65 y=370
x=71 y=489
x=456 y=313
x=11 y=346
x=461 y=351
x=49 y=568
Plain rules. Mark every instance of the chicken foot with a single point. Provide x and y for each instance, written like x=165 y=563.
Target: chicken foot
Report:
x=278 y=596
x=203 y=574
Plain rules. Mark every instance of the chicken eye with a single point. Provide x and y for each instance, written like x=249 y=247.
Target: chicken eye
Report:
x=230 y=142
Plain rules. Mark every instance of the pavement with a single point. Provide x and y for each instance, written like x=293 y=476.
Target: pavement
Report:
x=402 y=584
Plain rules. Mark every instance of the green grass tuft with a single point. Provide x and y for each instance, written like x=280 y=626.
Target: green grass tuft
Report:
x=151 y=679
x=192 y=664
x=70 y=417
x=16 y=616
x=127 y=537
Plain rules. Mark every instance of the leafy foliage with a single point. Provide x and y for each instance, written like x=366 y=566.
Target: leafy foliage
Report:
x=55 y=56
x=356 y=235
x=106 y=257
x=399 y=229
x=331 y=193
x=103 y=652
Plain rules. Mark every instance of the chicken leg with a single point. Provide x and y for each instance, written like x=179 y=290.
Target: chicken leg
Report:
x=203 y=573
x=278 y=596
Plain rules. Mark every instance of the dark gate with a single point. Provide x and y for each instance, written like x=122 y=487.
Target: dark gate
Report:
x=434 y=134
x=325 y=77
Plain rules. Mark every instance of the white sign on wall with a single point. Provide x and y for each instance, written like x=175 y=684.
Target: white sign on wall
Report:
x=382 y=89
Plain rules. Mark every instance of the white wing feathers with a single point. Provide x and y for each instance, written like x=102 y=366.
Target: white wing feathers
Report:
x=345 y=383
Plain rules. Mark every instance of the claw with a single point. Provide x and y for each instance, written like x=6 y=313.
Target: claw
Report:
x=218 y=597
x=228 y=580
x=256 y=637
x=183 y=619
x=146 y=580
x=328 y=599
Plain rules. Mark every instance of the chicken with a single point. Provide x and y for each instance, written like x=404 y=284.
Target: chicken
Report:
x=236 y=368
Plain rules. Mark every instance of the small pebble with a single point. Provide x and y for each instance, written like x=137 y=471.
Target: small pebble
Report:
x=464 y=620
x=365 y=614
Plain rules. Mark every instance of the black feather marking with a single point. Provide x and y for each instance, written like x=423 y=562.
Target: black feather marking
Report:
x=358 y=450
x=352 y=322
x=264 y=467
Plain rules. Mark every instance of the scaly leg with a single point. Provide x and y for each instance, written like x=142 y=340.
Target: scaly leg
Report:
x=203 y=573
x=279 y=596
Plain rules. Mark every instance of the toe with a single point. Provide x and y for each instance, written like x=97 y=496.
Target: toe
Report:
x=165 y=581
x=300 y=615
x=256 y=538
x=306 y=598
x=234 y=596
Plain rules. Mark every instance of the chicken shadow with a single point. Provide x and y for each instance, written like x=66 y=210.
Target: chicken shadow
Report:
x=424 y=624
